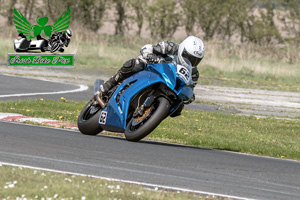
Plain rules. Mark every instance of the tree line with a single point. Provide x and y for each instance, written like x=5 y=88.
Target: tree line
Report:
x=255 y=21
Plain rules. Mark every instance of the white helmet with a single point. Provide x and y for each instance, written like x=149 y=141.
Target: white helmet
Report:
x=69 y=33
x=192 y=48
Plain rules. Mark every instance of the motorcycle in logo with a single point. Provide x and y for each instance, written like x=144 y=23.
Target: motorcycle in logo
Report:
x=59 y=35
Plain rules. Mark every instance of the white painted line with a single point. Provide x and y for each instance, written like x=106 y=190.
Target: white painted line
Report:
x=22 y=124
x=131 y=182
x=80 y=89
x=38 y=120
x=21 y=119
x=4 y=115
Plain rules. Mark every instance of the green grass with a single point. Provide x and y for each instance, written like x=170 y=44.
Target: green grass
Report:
x=251 y=66
x=51 y=109
x=261 y=136
x=245 y=77
x=21 y=183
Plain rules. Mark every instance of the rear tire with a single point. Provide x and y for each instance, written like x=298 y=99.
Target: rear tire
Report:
x=88 y=119
x=159 y=110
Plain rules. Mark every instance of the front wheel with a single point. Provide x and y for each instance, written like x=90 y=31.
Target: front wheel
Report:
x=88 y=119
x=55 y=46
x=139 y=127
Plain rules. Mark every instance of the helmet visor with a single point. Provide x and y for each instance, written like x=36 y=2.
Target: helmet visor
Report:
x=69 y=33
x=193 y=59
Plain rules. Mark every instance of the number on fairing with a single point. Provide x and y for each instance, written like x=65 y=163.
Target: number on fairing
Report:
x=184 y=73
x=103 y=117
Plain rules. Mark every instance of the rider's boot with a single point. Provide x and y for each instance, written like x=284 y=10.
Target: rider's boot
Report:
x=108 y=85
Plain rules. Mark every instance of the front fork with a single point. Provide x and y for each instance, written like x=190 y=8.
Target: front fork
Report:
x=147 y=103
x=159 y=90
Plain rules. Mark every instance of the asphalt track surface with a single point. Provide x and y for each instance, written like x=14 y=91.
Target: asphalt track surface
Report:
x=198 y=169
x=16 y=87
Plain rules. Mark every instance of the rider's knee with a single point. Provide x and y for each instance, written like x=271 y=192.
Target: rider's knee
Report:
x=138 y=65
x=132 y=66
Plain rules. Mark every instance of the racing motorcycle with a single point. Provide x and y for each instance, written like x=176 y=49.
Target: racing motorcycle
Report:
x=141 y=102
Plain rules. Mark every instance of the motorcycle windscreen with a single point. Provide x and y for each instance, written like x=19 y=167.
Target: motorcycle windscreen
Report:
x=97 y=84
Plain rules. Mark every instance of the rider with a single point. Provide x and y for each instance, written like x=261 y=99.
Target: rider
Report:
x=192 y=48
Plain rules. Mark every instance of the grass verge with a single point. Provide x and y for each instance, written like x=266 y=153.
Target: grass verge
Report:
x=25 y=183
x=261 y=136
x=63 y=109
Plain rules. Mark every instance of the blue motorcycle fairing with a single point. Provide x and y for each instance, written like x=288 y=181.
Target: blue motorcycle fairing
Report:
x=186 y=93
x=115 y=114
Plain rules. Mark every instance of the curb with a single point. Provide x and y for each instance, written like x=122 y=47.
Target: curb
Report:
x=14 y=117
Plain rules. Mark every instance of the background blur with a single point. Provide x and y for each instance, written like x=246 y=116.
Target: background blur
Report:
x=248 y=43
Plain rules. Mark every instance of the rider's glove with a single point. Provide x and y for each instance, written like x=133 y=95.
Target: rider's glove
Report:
x=67 y=42
x=151 y=57
x=195 y=74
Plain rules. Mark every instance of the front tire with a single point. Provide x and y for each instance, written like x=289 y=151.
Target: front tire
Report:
x=54 y=47
x=88 y=119
x=140 y=128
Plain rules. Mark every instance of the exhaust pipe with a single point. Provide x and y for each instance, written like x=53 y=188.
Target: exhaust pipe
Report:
x=99 y=100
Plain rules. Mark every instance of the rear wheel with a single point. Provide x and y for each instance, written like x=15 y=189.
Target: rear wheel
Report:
x=140 y=126
x=88 y=119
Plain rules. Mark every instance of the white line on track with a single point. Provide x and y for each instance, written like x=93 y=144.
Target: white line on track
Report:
x=80 y=89
x=131 y=182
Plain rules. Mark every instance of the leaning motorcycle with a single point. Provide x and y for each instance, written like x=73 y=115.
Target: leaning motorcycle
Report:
x=141 y=102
